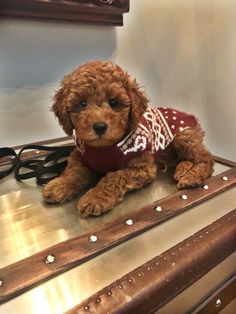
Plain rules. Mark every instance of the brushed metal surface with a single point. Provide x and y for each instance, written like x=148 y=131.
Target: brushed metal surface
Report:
x=28 y=225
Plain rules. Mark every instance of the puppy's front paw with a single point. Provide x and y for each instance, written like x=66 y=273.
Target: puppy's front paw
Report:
x=95 y=202
x=57 y=191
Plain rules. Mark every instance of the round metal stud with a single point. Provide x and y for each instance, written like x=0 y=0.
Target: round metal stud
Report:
x=129 y=222
x=148 y=268
x=98 y=300
x=205 y=187
x=93 y=238
x=225 y=178
x=86 y=308
x=120 y=287
x=50 y=259
x=158 y=209
x=139 y=274
x=184 y=197
x=109 y=293
x=130 y=280
x=218 y=303
x=1 y=282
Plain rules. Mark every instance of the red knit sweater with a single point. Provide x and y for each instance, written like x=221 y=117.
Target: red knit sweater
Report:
x=155 y=131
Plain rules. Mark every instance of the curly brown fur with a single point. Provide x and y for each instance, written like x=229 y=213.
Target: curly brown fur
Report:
x=195 y=162
x=75 y=177
x=111 y=189
x=84 y=99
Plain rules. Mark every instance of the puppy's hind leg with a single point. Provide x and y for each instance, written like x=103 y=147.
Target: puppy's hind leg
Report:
x=195 y=162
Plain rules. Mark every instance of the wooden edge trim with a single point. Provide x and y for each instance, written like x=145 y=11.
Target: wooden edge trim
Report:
x=224 y=161
x=150 y=286
x=109 y=12
x=46 y=142
x=220 y=298
x=29 y=272
x=33 y=153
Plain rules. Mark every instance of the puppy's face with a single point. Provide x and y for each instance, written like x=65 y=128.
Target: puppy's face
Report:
x=100 y=102
x=100 y=112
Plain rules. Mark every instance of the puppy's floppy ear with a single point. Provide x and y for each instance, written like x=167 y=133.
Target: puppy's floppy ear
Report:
x=60 y=110
x=138 y=101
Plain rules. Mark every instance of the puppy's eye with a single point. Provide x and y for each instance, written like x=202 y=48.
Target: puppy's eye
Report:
x=78 y=106
x=114 y=103
x=83 y=103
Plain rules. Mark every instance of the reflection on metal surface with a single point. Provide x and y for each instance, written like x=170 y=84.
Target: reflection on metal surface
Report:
x=28 y=225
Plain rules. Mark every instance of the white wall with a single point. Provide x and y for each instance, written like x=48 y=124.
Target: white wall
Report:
x=34 y=57
x=182 y=51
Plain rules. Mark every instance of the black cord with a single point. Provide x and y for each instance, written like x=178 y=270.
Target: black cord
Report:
x=44 y=169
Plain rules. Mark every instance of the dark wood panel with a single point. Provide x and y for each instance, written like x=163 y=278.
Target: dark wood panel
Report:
x=91 y=11
x=21 y=276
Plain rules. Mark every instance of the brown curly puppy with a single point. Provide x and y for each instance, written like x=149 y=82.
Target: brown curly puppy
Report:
x=119 y=136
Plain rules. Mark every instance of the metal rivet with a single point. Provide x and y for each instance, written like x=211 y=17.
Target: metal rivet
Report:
x=187 y=244
x=109 y=293
x=157 y=263
x=218 y=303
x=130 y=280
x=86 y=308
x=200 y=236
x=50 y=259
x=184 y=197
x=139 y=274
x=205 y=187
x=98 y=300
x=93 y=238
x=148 y=268
x=120 y=286
x=158 y=209
x=129 y=222
x=173 y=264
x=1 y=282
x=225 y=178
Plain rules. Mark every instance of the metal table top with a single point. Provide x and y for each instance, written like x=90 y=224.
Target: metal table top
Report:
x=28 y=225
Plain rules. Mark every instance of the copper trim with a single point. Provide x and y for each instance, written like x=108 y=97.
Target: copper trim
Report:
x=216 y=301
x=150 y=286
x=224 y=161
x=31 y=271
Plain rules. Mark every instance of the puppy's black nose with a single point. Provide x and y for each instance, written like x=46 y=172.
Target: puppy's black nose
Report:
x=100 y=128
